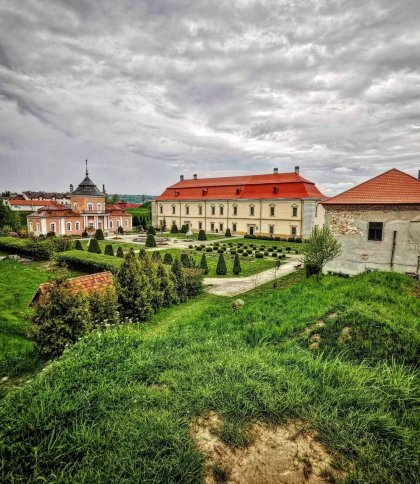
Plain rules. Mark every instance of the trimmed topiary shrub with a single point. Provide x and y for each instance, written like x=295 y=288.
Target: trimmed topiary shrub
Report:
x=233 y=251
x=198 y=248
x=99 y=235
x=109 y=250
x=174 y=229
x=85 y=235
x=259 y=255
x=184 y=229
x=156 y=257
x=209 y=249
x=237 y=265
x=151 y=230
x=228 y=233
x=202 y=235
x=120 y=230
x=191 y=246
x=78 y=245
x=150 y=241
x=221 y=269
x=185 y=260
x=167 y=258
x=88 y=261
x=120 y=252
x=94 y=246
x=220 y=251
x=203 y=264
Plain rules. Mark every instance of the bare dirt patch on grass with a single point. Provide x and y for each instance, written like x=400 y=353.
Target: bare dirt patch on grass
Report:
x=284 y=454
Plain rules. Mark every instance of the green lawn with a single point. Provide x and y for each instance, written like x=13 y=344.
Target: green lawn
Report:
x=250 y=266
x=118 y=405
x=115 y=244
x=18 y=283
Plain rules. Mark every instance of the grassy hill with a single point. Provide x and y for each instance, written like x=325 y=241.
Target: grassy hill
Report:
x=339 y=355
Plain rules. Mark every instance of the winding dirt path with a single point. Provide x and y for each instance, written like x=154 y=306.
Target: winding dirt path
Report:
x=232 y=286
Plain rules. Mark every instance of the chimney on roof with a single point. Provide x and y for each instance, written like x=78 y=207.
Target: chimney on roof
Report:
x=181 y=177
x=419 y=175
x=275 y=171
x=297 y=170
x=195 y=176
x=103 y=189
x=71 y=187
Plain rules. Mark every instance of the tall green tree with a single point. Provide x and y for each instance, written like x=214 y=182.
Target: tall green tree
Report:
x=318 y=249
x=181 y=286
x=133 y=290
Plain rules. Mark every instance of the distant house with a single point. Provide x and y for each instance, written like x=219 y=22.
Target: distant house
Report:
x=86 y=284
x=58 y=197
x=22 y=205
x=86 y=211
x=377 y=224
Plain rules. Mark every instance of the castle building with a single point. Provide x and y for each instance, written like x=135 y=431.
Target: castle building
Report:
x=277 y=204
x=87 y=211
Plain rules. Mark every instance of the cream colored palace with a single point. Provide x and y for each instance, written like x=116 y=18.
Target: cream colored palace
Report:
x=277 y=204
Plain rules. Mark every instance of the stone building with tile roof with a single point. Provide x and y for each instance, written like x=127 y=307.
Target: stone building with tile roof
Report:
x=276 y=204
x=377 y=224
x=87 y=211
x=86 y=284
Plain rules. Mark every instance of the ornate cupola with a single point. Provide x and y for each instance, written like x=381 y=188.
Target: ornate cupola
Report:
x=87 y=187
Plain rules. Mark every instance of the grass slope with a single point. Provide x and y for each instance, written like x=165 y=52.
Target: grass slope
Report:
x=117 y=406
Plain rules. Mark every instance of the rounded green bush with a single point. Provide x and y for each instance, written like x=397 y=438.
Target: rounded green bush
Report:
x=259 y=255
x=209 y=249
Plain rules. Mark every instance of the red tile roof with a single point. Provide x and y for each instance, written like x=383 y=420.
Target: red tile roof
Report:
x=276 y=185
x=33 y=203
x=86 y=284
x=391 y=187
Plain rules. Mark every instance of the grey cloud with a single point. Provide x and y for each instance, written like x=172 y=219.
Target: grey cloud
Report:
x=146 y=89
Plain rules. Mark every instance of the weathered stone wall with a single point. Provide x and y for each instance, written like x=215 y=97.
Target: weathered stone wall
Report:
x=350 y=225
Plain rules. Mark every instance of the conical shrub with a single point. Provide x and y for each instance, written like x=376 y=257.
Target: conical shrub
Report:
x=203 y=264
x=237 y=265
x=94 y=246
x=78 y=245
x=109 y=250
x=221 y=269
x=120 y=252
x=150 y=241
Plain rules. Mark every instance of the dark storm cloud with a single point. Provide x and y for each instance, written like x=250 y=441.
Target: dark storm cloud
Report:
x=151 y=89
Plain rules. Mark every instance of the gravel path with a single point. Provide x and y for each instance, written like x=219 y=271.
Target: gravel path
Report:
x=232 y=286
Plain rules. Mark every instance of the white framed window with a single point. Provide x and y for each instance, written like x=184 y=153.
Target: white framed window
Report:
x=187 y=209
x=173 y=209
x=200 y=225
x=118 y=223
x=200 y=210
x=252 y=210
x=110 y=224
x=126 y=223
x=68 y=226
x=99 y=206
x=272 y=210
x=212 y=226
x=235 y=210
x=293 y=230
x=75 y=206
x=221 y=227
x=271 y=229
x=90 y=207
x=213 y=210
x=160 y=209
x=77 y=225
x=294 y=210
x=233 y=227
x=52 y=227
x=38 y=227
x=31 y=227
x=221 y=209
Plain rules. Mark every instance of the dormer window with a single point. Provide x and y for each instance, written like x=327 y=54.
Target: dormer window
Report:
x=276 y=189
x=238 y=190
x=204 y=191
x=176 y=193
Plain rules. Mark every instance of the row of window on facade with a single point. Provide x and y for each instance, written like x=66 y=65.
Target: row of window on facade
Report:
x=69 y=226
x=90 y=207
x=221 y=227
x=235 y=210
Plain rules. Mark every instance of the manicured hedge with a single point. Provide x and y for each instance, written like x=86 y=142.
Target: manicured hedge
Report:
x=89 y=261
x=267 y=237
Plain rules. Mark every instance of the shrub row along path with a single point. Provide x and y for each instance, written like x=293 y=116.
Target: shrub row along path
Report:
x=222 y=286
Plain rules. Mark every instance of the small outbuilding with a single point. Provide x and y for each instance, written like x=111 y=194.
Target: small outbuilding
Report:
x=377 y=224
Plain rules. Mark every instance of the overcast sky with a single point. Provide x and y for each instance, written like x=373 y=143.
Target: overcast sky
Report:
x=150 y=89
